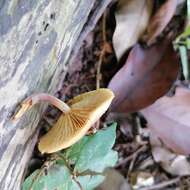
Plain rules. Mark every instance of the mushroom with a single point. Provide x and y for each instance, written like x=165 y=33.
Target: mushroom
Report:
x=78 y=116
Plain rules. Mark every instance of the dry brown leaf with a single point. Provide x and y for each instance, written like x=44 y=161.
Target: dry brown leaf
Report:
x=132 y=17
x=114 y=181
x=168 y=160
x=169 y=119
x=147 y=75
x=160 y=20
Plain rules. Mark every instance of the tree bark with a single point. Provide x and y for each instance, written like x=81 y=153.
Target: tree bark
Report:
x=38 y=39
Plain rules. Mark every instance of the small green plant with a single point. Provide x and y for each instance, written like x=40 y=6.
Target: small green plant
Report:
x=79 y=167
x=182 y=43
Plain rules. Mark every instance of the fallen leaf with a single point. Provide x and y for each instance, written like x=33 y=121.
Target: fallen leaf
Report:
x=147 y=75
x=132 y=17
x=160 y=20
x=114 y=181
x=168 y=160
x=169 y=118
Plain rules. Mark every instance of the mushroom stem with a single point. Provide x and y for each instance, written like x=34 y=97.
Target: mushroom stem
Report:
x=37 y=98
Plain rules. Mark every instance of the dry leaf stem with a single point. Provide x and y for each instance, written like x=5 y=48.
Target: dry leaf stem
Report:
x=102 y=53
x=132 y=156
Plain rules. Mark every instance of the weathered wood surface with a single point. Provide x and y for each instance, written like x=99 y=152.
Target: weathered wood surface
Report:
x=37 y=40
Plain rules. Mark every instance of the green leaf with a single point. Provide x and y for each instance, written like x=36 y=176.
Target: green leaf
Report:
x=72 y=154
x=103 y=162
x=184 y=61
x=182 y=43
x=30 y=180
x=91 y=155
x=95 y=150
x=183 y=36
x=58 y=176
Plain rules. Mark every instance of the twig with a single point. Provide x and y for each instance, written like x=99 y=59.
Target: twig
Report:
x=102 y=53
x=98 y=75
x=142 y=148
x=104 y=27
x=132 y=164
x=88 y=172
x=161 y=185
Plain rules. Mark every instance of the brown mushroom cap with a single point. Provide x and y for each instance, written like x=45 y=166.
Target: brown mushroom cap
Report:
x=86 y=109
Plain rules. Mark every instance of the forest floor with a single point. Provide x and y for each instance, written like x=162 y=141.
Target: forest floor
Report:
x=139 y=163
